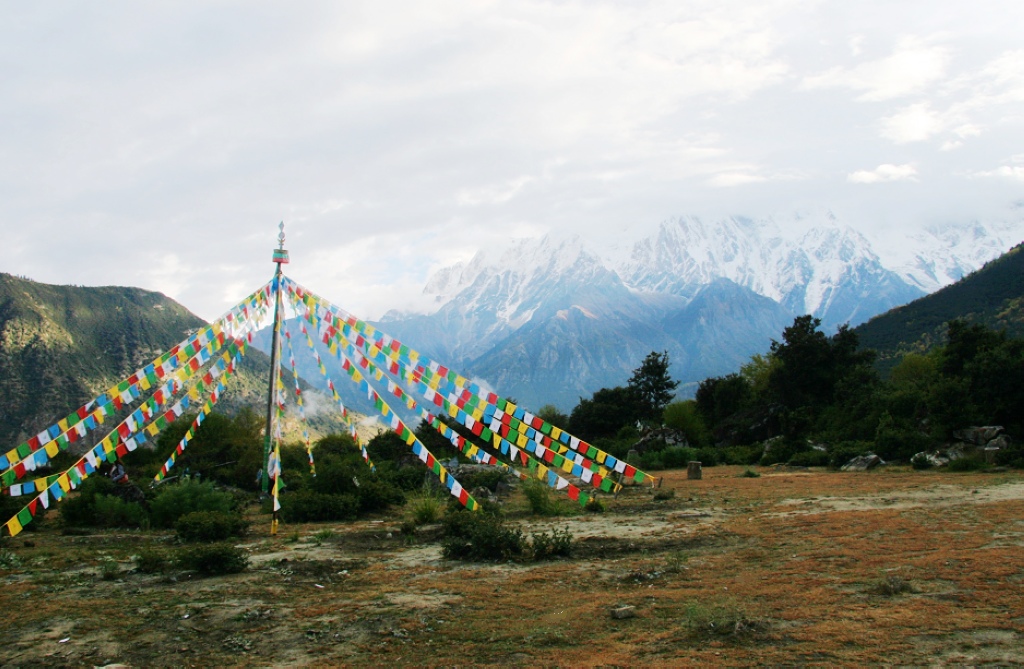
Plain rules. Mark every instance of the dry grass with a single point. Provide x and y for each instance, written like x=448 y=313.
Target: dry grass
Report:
x=892 y=567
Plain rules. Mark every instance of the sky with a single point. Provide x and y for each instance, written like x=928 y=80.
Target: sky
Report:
x=159 y=144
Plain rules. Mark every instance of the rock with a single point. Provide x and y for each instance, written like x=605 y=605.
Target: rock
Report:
x=694 y=471
x=667 y=435
x=1000 y=442
x=623 y=612
x=862 y=463
x=978 y=436
x=933 y=458
x=483 y=492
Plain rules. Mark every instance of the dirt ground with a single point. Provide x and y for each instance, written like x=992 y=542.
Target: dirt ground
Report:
x=891 y=567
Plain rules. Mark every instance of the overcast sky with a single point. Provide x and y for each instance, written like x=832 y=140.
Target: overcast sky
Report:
x=158 y=144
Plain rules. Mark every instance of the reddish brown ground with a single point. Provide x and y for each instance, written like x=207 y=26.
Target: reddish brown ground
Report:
x=792 y=568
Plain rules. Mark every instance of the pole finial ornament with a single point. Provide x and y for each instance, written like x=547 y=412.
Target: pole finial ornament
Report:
x=280 y=255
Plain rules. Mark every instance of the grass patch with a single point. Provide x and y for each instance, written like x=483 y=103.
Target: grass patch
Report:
x=892 y=586
x=721 y=620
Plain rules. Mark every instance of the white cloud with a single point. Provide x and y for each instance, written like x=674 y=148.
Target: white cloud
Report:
x=394 y=137
x=1014 y=172
x=884 y=172
x=915 y=123
x=913 y=65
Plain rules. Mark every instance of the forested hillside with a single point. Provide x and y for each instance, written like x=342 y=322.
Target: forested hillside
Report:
x=60 y=346
x=992 y=296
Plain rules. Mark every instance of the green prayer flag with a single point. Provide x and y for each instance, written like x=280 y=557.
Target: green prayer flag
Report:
x=24 y=516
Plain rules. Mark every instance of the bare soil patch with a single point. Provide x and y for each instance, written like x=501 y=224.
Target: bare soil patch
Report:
x=893 y=567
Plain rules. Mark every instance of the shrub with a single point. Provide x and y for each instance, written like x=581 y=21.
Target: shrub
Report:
x=708 y=457
x=376 y=495
x=662 y=495
x=150 y=561
x=174 y=501
x=212 y=559
x=782 y=450
x=208 y=526
x=309 y=506
x=110 y=511
x=547 y=546
x=594 y=505
x=749 y=473
x=811 y=458
x=841 y=453
x=109 y=570
x=79 y=509
x=427 y=509
x=483 y=479
x=539 y=497
x=968 y=464
x=741 y=455
x=676 y=457
x=890 y=586
x=472 y=535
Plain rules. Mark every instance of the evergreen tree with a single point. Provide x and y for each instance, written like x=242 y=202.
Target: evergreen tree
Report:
x=652 y=386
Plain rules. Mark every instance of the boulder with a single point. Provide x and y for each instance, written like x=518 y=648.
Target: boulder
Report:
x=623 y=612
x=978 y=436
x=862 y=463
x=933 y=458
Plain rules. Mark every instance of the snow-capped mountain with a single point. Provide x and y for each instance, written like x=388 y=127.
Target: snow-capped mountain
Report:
x=551 y=320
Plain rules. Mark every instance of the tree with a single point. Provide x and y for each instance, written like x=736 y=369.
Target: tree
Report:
x=550 y=414
x=685 y=417
x=652 y=386
x=604 y=414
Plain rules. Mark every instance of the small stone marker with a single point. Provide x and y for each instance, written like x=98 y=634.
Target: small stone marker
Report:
x=623 y=612
x=694 y=471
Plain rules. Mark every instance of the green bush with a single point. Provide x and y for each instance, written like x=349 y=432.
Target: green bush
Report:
x=376 y=495
x=427 y=509
x=677 y=457
x=175 y=500
x=782 y=450
x=811 y=458
x=594 y=505
x=539 y=496
x=150 y=561
x=472 y=535
x=79 y=509
x=749 y=473
x=483 y=479
x=208 y=526
x=708 y=457
x=970 y=463
x=547 y=546
x=110 y=511
x=309 y=506
x=212 y=559
x=749 y=454
x=841 y=453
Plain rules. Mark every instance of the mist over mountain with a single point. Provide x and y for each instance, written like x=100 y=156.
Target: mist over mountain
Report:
x=550 y=320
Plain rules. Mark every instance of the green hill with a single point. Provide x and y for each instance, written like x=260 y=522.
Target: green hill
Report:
x=60 y=346
x=991 y=296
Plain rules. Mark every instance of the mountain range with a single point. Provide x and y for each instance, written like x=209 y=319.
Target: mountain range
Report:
x=551 y=320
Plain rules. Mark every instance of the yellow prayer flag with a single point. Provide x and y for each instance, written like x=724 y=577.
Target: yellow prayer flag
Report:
x=52 y=448
x=14 y=526
x=556 y=433
x=63 y=424
x=567 y=465
x=64 y=482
